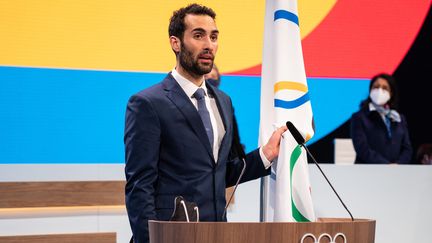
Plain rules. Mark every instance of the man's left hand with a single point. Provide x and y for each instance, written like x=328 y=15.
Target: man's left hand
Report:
x=271 y=149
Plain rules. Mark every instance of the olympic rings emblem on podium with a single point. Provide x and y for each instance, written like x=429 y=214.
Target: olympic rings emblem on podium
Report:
x=323 y=235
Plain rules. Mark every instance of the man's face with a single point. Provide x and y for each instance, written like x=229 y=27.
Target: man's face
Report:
x=199 y=44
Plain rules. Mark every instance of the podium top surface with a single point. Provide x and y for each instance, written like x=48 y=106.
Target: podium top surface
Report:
x=319 y=221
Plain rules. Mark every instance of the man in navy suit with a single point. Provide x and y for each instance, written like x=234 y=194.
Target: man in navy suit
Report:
x=179 y=133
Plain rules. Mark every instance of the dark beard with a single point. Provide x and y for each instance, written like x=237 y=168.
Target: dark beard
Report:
x=190 y=65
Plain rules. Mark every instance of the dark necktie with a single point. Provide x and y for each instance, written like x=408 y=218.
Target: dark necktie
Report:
x=204 y=113
x=388 y=125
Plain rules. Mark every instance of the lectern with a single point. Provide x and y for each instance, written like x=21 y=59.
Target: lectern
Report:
x=323 y=231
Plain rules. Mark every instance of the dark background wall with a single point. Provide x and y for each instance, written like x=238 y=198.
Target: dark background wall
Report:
x=414 y=77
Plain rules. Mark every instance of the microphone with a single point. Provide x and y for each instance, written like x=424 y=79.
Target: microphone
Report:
x=300 y=140
x=239 y=151
x=296 y=134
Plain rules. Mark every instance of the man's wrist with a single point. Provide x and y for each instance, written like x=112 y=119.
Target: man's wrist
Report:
x=267 y=163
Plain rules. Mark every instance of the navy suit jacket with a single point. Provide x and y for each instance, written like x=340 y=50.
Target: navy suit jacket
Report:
x=371 y=142
x=168 y=154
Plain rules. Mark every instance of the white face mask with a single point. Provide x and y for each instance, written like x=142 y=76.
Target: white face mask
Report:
x=379 y=96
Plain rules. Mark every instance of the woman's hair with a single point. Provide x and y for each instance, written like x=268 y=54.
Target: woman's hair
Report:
x=393 y=102
x=425 y=148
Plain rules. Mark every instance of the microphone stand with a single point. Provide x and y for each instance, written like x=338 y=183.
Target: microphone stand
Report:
x=316 y=163
x=241 y=154
x=301 y=141
x=235 y=188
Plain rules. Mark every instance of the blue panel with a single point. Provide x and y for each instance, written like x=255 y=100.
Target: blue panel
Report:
x=76 y=116
x=245 y=94
x=333 y=101
x=65 y=116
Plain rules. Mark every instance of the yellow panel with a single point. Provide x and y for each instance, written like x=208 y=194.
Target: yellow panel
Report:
x=129 y=35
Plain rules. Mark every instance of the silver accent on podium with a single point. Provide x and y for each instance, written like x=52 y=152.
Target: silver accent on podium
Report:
x=197 y=213
x=308 y=235
x=332 y=240
x=185 y=210
x=341 y=235
x=325 y=235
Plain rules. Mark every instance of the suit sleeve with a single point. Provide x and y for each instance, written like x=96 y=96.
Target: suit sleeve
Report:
x=254 y=169
x=142 y=139
x=406 y=148
x=361 y=146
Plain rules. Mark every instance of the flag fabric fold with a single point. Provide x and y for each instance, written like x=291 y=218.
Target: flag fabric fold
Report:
x=285 y=97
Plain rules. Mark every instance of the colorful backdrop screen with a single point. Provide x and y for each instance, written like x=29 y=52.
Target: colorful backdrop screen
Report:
x=67 y=68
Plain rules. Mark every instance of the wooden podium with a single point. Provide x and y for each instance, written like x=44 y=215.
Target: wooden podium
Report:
x=358 y=231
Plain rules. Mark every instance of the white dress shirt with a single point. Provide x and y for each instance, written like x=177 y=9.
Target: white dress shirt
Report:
x=215 y=118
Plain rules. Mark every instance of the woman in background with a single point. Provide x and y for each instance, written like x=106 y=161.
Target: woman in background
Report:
x=379 y=132
x=424 y=154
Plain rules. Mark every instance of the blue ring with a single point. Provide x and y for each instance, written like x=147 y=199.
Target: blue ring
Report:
x=292 y=104
x=283 y=14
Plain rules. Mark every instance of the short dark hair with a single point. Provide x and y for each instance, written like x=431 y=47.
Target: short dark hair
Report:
x=177 y=25
x=425 y=148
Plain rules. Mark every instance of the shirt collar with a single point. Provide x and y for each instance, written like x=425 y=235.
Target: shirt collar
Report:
x=188 y=86
x=371 y=107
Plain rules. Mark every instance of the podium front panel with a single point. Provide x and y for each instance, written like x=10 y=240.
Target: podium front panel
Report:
x=337 y=230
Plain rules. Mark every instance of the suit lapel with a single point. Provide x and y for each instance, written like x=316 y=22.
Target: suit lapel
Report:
x=176 y=94
x=224 y=108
